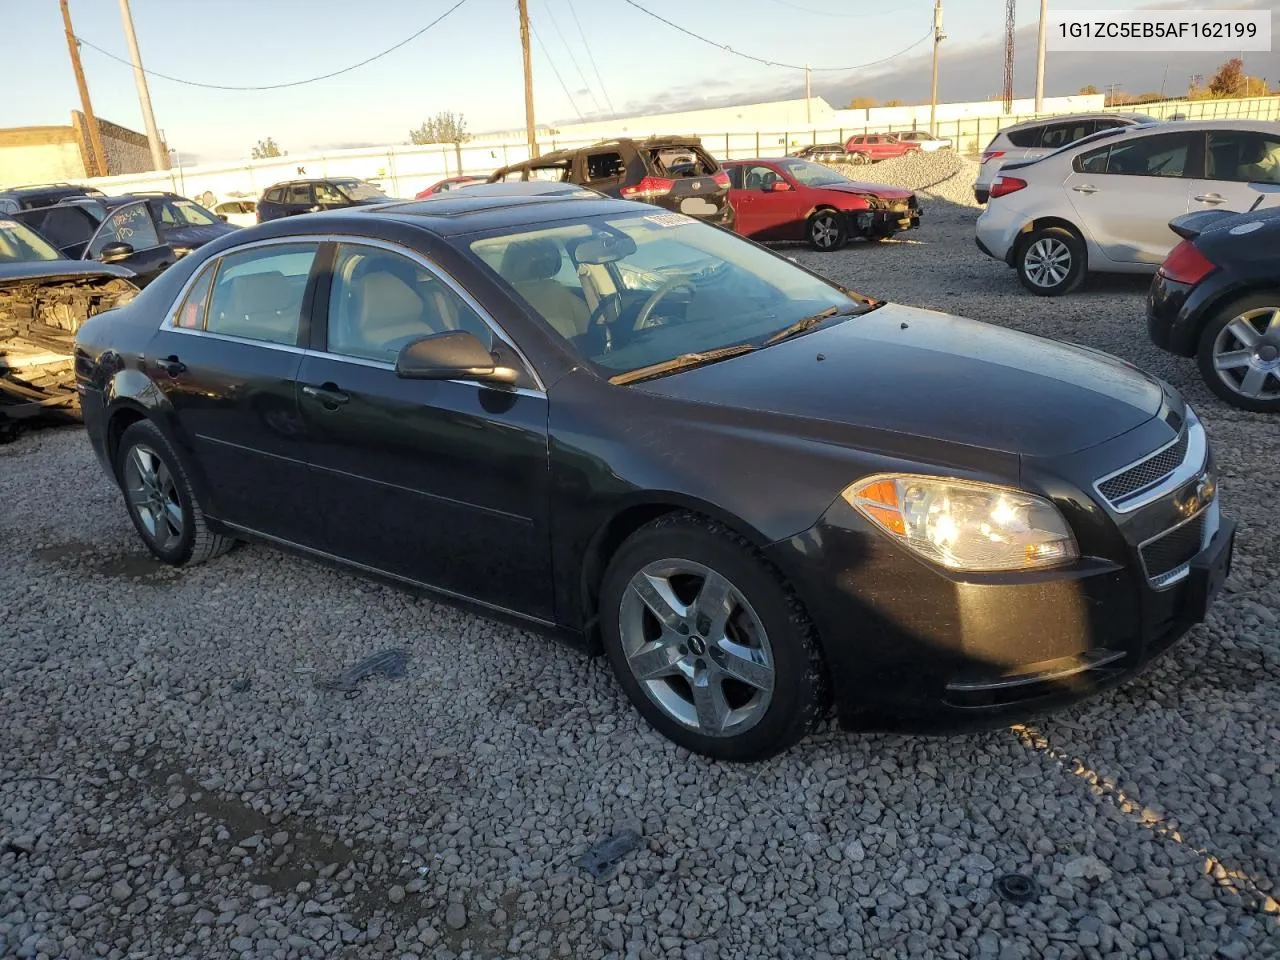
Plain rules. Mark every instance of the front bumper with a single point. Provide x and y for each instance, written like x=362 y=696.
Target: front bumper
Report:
x=885 y=220
x=914 y=648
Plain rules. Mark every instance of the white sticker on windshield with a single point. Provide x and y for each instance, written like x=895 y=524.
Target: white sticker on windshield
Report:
x=669 y=219
x=1249 y=227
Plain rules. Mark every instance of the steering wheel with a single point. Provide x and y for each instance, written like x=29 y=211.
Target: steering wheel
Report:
x=669 y=286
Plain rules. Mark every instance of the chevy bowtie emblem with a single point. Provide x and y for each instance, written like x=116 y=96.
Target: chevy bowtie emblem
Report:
x=697 y=184
x=1195 y=497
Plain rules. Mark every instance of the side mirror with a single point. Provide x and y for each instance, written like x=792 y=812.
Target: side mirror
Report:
x=315 y=209
x=115 y=252
x=779 y=186
x=222 y=217
x=456 y=355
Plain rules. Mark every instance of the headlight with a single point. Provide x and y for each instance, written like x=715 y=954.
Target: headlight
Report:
x=963 y=525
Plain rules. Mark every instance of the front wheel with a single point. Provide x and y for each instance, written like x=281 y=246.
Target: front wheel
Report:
x=710 y=645
x=1051 y=261
x=1239 y=352
x=826 y=231
x=161 y=502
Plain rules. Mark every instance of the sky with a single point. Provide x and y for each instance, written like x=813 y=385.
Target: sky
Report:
x=611 y=59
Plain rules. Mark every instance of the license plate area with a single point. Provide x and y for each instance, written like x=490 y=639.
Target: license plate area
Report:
x=1209 y=572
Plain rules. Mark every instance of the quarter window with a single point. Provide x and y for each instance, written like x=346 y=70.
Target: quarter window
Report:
x=131 y=224
x=190 y=315
x=1244 y=156
x=382 y=301
x=604 y=166
x=275 y=195
x=258 y=293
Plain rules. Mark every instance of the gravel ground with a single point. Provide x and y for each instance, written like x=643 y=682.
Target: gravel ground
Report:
x=174 y=782
x=943 y=174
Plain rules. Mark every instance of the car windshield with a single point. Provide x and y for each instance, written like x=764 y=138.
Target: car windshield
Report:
x=190 y=213
x=633 y=290
x=359 y=190
x=19 y=243
x=811 y=174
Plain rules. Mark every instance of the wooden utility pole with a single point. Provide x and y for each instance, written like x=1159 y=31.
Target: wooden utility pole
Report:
x=530 y=132
x=937 y=44
x=97 y=154
x=808 y=96
x=1040 y=45
x=158 y=159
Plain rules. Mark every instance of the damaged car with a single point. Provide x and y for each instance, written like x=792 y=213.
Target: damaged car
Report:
x=675 y=173
x=794 y=199
x=44 y=298
x=86 y=229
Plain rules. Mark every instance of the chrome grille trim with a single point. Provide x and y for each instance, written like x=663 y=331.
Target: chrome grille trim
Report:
x=1197 y=450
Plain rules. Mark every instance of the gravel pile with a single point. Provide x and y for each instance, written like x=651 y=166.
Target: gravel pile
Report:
x=942 y=175
x=179 y=778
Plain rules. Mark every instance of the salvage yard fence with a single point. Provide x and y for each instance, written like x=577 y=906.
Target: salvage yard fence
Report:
x=404 y=170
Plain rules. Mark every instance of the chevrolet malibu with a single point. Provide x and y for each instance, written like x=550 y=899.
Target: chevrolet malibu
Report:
x=754 y=490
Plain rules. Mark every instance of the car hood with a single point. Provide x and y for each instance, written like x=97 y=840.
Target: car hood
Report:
x=195 y=235
x=59 y=269
x=927 y=374
x=868 y=189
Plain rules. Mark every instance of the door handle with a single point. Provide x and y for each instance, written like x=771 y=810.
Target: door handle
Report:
x=1085 y=188
x=1211 y=198
x=329 y=395
x=172 y=365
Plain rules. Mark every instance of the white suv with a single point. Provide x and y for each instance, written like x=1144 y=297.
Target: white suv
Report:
x=1038 y=138
x=1104 y=204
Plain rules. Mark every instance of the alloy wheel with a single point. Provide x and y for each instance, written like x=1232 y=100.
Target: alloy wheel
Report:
x=153 y=496
x=1246 y=354
x=1047 y=262
x=696 y=647
x=824 y=231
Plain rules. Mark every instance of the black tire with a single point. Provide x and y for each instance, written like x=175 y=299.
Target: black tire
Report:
x=826 y=231
x=194 y=542
x=1064 y=249
x=799 y=695
x=1267 y=352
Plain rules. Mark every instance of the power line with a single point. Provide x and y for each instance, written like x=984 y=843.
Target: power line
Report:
x=591 y=57
x=774 y=63
x=552 y=64
x=278 y=86
x=572 y=59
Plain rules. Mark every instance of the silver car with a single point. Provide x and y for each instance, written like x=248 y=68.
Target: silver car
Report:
x=1037 y=138
x=1104 y=204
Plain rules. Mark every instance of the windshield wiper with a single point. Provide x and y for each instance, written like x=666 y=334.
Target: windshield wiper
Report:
x=681 y=362
x=808 y=323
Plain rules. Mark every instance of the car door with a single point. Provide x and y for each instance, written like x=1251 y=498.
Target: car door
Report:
x=1234 y=159
x=767 y=213
x=226 y=362
x=439 y=482
x=298 y=198
x=128 y=237
x=602 y=170
x=1125 y=193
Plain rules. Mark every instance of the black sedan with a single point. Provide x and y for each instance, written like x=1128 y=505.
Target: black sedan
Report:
x=1216 y=297
x=753 y=489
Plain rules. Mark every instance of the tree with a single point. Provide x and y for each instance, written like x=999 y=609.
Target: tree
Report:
x=1089 y=91
x=444 y=127
x=266 y=148
x=1229 y=80
x=893 y=103
x=861 y=103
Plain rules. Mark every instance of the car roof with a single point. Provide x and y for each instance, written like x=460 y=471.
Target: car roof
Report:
x=44 y=187
x=1067 y=118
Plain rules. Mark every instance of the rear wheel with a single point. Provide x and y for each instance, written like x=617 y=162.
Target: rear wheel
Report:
x=161 y=502
x=1239 y=352
x=710 y=645
x=1051 y=261
x=826 y=231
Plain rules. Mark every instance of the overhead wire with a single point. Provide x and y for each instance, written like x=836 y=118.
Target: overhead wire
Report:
x=278 y=86
x=586 y=85
x=591 y=57
x=775 y=63
x=552 y=64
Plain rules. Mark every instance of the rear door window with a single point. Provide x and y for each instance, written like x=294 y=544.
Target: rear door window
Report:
x=606 y=166
x=299 y=194
x=1162 y=155
x=66 y=227
x=258 y=293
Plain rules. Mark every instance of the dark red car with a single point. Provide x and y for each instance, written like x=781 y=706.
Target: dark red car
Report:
x=445 y=185
x=792 y=199
x=878 y=146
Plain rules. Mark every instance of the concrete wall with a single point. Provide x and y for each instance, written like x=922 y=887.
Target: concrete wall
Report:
x=39 y=155
x=404 y=170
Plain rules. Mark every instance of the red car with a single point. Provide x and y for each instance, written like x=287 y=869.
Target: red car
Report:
x=444 y=186
x=792 y=199
x=878 y=146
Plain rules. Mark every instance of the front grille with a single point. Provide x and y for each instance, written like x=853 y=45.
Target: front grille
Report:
x=1172 y=550
x=1146 y=472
